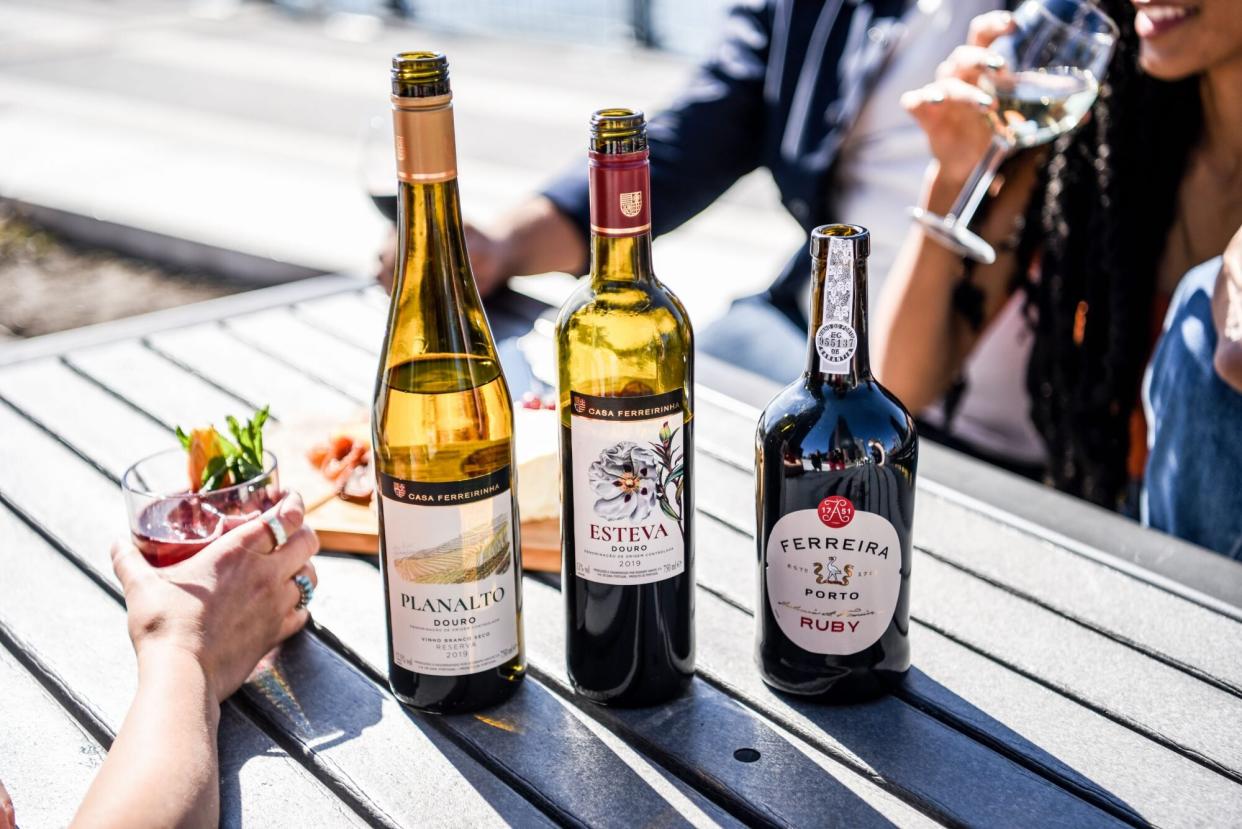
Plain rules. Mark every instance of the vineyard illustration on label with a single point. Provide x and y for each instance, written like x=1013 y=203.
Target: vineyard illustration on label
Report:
x=630 y=480
x=481 y=551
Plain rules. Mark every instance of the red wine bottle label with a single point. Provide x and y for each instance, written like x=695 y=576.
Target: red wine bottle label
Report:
x=833 y=576
x=620 y=194
x=449 y=550
x=836 y=339
x=628 y=479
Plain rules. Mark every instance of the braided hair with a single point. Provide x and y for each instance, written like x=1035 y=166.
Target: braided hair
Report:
x=1089 y=250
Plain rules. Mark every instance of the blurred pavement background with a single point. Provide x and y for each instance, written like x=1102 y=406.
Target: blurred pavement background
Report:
x=240 y=126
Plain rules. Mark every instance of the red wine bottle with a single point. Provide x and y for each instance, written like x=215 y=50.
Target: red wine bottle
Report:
x=625 y=356
x=835 y=464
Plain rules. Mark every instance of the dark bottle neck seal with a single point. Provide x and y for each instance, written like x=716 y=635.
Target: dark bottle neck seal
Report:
x=619 y=173
x=620 y=186
x=837 y=351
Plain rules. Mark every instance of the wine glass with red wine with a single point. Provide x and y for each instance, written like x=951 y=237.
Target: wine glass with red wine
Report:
x=169 y=522
x=377 y=167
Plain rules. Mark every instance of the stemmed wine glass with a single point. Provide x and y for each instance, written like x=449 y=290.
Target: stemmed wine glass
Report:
x=377 y=167
x=1053 y=62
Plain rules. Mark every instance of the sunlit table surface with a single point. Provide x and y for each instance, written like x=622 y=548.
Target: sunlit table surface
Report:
x=1070 y=668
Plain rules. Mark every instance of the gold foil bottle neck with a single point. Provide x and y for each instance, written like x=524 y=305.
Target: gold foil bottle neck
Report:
x=422 y=113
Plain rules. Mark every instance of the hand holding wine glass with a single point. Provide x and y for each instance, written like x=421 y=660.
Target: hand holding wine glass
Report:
x=199 y=628
x=228 y=605
x=1033 y=75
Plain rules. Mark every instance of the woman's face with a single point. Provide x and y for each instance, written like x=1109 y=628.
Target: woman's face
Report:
x=1180 y=38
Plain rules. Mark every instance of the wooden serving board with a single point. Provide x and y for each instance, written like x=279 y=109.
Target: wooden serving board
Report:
x=346 y=527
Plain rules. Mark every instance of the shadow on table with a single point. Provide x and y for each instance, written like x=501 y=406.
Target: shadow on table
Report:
x=312 y=696
x=545 y=750
x=979 y=770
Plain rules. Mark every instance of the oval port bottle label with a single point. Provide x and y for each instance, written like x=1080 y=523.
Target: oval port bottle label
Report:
x=628 y=484
x=451 y=573
x=833 y=576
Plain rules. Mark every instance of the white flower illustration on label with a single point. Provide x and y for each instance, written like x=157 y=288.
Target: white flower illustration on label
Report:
x=624 y=479
x=631 y=204
x=836 y=342
x=629 y=481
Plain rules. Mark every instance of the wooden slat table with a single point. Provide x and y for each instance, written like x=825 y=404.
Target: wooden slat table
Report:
x=1057 y=681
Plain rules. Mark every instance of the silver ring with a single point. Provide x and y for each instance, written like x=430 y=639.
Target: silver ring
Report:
x=306 y=588
x=278 y=530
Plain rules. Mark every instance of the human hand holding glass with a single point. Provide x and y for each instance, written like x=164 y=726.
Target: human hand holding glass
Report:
x=1038 y=81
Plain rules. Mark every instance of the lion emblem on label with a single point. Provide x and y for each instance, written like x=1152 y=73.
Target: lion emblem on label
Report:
x=398 y=489
x=631 y=204
x=836 y=341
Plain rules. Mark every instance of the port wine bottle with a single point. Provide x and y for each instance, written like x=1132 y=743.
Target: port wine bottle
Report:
x=835 y=458
x=625 y=356
x=442 y=430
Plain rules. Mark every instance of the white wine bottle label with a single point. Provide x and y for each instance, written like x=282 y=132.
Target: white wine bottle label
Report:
x=451 y=573
x=833 y=576
x=627 y=485
x=836 y=340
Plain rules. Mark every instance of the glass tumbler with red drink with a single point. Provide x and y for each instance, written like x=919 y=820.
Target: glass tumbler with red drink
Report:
x=169 y=522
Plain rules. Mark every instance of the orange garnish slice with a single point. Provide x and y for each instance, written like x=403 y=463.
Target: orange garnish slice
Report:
x=204 y=445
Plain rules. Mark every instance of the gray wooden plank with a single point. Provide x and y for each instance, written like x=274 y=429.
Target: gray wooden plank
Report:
x=145 y=379
x=349 y=317
x=1072 y=742
x=1042 y=728
x=1090 y=531
x=85 y=648
x=47 y=760
x=1162 y=702
x=316 y=700
x=68 y=404
x=597 y=793
x=1202 y=641
x=346 y=368
x=887 y=742
x=249 y=374
x=608 y=781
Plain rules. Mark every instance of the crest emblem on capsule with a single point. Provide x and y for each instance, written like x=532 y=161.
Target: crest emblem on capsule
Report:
x=631 y=204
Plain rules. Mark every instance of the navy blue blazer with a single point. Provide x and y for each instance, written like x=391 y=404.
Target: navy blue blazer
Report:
x=780 y=92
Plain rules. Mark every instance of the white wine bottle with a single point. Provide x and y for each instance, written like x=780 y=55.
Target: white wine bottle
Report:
x=443 y=432
x=835 y=459
x=625 y=355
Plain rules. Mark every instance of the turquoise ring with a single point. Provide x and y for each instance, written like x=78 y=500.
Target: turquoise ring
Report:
x=306 y=588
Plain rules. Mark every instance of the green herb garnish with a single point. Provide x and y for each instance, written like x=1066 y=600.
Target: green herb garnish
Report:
x=216 y=462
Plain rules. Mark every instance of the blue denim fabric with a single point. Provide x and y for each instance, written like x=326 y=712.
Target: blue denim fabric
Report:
x=757 y=336
x=1194 y=469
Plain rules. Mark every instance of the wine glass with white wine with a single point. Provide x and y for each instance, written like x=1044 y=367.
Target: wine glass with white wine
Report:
x=1053 y=62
